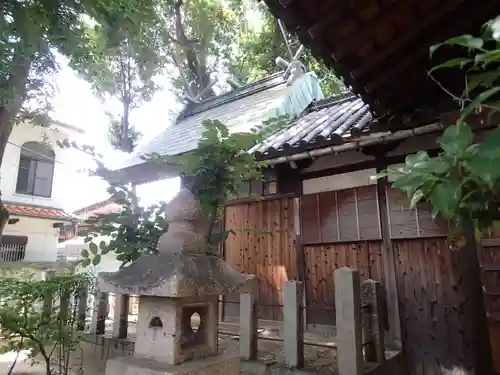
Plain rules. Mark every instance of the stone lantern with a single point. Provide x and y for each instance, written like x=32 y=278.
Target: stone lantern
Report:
x=175 y=285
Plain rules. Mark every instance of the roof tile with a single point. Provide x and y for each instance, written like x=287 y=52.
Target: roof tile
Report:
x=240 y=113
x=38 y=211
x=327 y=122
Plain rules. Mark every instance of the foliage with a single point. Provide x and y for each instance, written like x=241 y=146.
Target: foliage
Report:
x=42 y=316
x=257 y=50
x=32 y=32
x=199 y=36
x=205 y=39
x=462 y=183
x=130 y=233
x=121 y=65
x=215 y=169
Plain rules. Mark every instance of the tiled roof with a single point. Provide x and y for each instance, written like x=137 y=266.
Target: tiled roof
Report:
x=38 y=211
x=239 y=110
x=328 y=122
x=93 y=206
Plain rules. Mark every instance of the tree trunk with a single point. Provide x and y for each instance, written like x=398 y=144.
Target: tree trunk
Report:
x=13 y=97
x=5 y=130
x=474 y=319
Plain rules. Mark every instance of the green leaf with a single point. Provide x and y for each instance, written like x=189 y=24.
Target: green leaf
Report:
x=478 y=100
x=96 y=260
x=85 y=253
x=93 y=248
x=413 y=159
x=477 y=233
x=485 y=79
x=416 y=198
x=456 y=139
x=121 y=257
x=464 y=40
x=409 y=182
x=471 y=151
x=445 y=197
x=381 y=174
x=490 y=146
x=484 y=168
x=459 y=61
x=488 y=57
x=86 y=262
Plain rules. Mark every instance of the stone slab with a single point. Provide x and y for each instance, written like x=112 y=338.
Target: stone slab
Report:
x=221 y=364
x=176 y=275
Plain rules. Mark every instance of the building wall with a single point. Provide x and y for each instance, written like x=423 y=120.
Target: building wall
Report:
x=262 y=244
x=343 y=221
x=10 y=164
x=104 y=208
x=428 y=283
x=42 y=238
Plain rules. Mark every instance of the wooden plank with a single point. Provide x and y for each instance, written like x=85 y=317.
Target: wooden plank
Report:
x=490 y=242
x=491 y=267
x=388 y=258
x=266 y=250
x=250 y=200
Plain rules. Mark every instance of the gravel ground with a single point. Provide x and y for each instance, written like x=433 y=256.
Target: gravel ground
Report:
x=322 y=360
x=319 y=359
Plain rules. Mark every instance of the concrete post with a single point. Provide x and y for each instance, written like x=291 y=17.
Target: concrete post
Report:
x=348 y=321
x=83 y=297
x=102 y=312
x=248 y=326
x=371 y=292
x=293 y=324
x=48 y=302
x=120 y=316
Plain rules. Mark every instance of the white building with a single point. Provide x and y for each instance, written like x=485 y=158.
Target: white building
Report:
x=31 y=164
x=71 y=249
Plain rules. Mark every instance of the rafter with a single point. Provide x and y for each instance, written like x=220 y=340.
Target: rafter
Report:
x=333 y=12
x=366 y=32
x=389 y=79
x=428 y=23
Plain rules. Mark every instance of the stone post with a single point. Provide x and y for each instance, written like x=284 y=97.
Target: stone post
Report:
x=83 y=297
x=48 y=302
x=102 y=312
x=348 y=321
x=248 y=327
x=371 y=292
x=120 y=316
x=293 y=324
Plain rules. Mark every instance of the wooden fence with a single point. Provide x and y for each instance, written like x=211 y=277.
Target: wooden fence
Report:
x=359 y=338
x=263 y=244
x=343 y=228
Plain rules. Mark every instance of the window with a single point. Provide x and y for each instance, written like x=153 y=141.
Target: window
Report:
x=36 y=170
x=259 y=188
x=13 y=248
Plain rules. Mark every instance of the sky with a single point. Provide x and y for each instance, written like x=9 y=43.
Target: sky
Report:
x=75 y=104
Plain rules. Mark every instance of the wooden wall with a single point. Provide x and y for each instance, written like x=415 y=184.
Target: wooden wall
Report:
x=322 y=260
x=263 y=244
x=339 y=228
x=490 y=260
x=429 y=305
x=343 y=228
